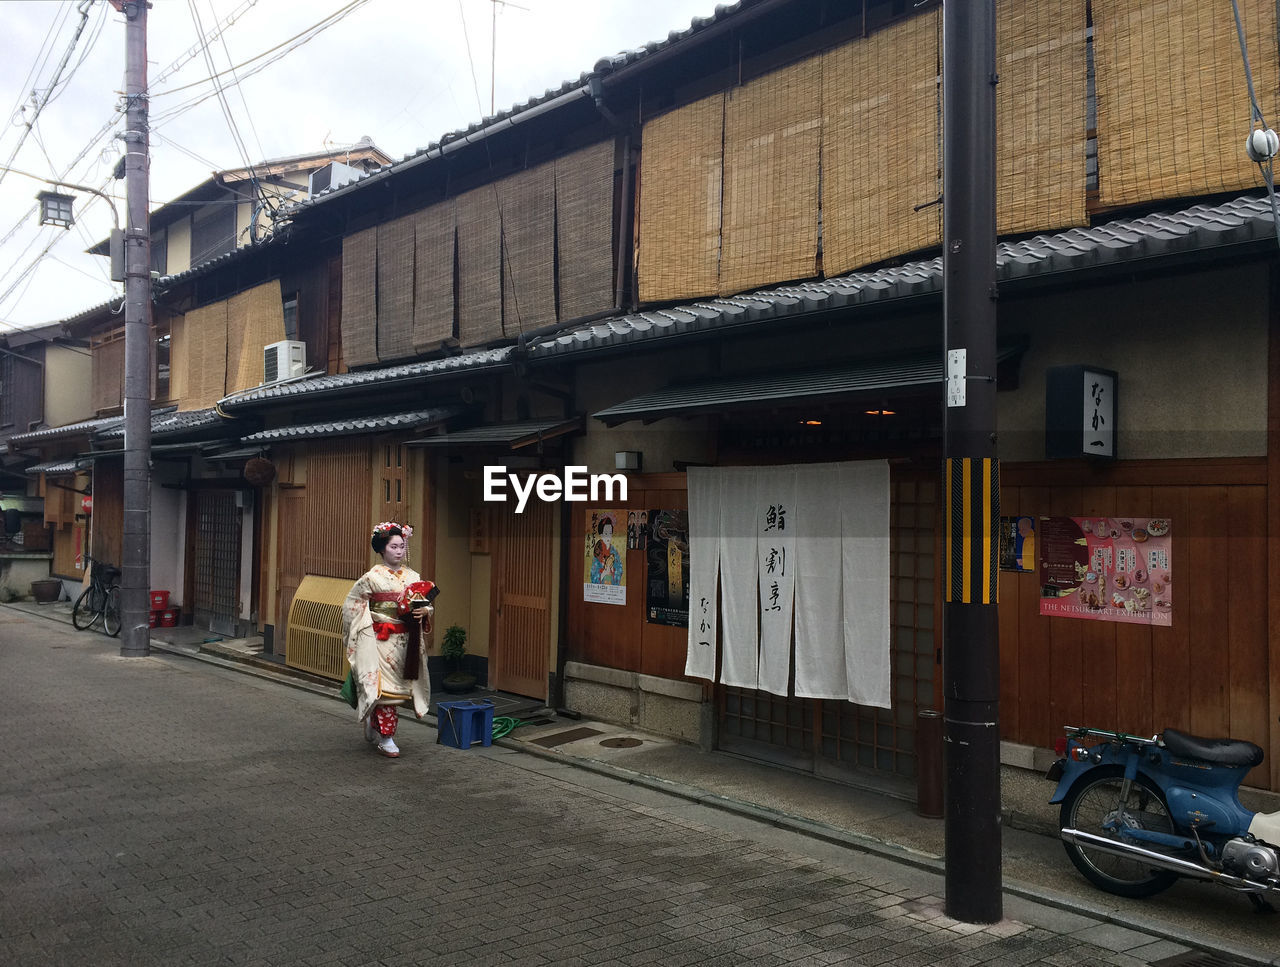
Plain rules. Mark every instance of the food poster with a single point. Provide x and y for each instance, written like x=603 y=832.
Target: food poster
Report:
x=605 y=575
x=666 y=545
x=1107 y=568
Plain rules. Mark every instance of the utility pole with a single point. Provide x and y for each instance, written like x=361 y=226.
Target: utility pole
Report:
x=971 y=645
x=135 y=583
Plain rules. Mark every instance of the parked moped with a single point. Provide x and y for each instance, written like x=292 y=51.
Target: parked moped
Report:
x=1138 y=813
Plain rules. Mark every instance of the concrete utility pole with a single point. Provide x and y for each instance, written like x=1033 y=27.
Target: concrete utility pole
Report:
x=135 y=583
x=971 y=645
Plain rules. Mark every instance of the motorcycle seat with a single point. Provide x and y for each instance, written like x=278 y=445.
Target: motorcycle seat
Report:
x=1227 y=752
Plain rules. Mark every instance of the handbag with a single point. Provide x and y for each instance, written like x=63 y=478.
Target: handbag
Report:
x=348 y=691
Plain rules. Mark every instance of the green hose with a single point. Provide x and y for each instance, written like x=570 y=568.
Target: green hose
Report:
x=505 y=725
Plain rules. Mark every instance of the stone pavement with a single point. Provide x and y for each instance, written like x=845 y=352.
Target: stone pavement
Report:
x=162 y=810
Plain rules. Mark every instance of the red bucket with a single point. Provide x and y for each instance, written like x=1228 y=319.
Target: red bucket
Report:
x=159 y=600
x=169 y=618
x=153 y=617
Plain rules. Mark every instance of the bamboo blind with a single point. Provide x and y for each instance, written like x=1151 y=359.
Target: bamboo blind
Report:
x=359 y=298
x=433 y=276
x=1040 y=115
x=108 y=372
x=255 y=319
x=1173 y=107
x=479 y=266
x=205 y=338
x=337 y=525
x=395 y=288
x=178 y=374
x=584 y=230
x=880 y=145
x=528 y=246
x=772 y=140
x=678 y=250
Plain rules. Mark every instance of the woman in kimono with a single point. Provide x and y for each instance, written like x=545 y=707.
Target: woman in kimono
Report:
x=384 y=647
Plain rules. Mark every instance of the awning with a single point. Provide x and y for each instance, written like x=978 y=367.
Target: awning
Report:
x=903 y=374
x=511 y=435
x=767 y=391
x=64 y=465
x=382 y=423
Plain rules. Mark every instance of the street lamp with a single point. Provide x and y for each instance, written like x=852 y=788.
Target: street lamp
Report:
x=55 y=209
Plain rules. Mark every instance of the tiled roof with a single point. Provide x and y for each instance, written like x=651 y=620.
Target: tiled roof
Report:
x=626 y=58
x=407 y=372
x=1196 y=229
x=62 y=465
x=331 y=428
x=84 y=427
x=169 y=421
x=569 y=90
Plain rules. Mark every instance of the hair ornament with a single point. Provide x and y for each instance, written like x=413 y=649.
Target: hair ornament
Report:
x=383 y=528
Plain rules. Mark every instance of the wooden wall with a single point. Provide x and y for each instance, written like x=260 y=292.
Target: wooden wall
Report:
x=619 y=636
x=1208 y=672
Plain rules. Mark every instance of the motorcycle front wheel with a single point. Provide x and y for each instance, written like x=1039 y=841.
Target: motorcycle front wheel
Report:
x=1093 y=806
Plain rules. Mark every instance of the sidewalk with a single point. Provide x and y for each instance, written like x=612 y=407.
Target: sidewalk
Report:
x=1041 y=887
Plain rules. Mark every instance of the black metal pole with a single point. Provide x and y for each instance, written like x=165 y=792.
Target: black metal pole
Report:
x=135 y=582
x=971 y=667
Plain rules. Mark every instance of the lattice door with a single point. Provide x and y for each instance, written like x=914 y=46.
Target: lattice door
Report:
x=522 y=593
x=217 y=561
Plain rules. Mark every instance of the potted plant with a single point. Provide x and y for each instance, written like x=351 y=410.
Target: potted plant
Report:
x=452 y=647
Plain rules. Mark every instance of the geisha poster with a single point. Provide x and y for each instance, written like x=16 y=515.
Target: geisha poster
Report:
x=605 y=574
x=667 y=557
x=1107 y=568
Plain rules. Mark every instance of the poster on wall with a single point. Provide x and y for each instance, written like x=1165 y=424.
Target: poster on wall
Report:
x=605 y=574
x=666 y=544
x=1018 y=544
x=1107 y=568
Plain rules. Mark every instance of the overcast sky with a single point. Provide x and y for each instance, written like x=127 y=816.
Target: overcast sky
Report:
x=397 y=71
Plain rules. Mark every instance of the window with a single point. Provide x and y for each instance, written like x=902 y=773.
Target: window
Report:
x=213 y=232
x=291 y=315
x=160 y=251
x=160 y=387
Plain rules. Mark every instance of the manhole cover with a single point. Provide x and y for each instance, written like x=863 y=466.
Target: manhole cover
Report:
x=621 y=742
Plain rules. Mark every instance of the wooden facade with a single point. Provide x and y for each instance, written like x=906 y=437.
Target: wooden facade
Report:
x=1206 y=673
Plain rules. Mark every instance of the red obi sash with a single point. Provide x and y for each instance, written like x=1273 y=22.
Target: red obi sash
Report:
x=385 y=629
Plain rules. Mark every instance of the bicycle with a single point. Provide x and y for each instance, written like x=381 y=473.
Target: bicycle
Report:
x=100 y=601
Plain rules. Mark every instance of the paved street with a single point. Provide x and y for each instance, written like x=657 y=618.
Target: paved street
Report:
x=161 y=811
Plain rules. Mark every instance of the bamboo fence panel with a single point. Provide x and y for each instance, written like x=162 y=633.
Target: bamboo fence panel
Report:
x=681 y=172
x=584 y=230
x=108 y=372
x=880 y=145
x=1173 y=107
x=255 y=319
x=772 y=142
x=528 y=200
x=1040 y=115
x=360 y=298
x=395 y=289
x=206 y=341
x=178 y=373
x=433 y=276
x=479 y=266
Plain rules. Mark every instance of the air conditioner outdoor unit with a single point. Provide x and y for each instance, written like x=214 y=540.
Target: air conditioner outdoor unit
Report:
x=283 y=359
x=333 y=175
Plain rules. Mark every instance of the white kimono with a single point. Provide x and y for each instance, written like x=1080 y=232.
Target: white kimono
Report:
x=369 y=614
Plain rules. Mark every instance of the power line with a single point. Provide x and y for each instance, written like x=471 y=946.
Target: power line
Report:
x=57 y=74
